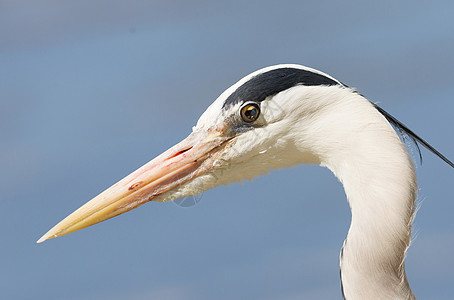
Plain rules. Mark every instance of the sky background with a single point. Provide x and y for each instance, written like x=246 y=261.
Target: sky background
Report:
x=91 y=90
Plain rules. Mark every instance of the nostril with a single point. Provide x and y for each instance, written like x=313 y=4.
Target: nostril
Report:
x=180 y=152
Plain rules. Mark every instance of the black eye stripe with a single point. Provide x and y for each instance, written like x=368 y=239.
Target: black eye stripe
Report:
x=272 y=82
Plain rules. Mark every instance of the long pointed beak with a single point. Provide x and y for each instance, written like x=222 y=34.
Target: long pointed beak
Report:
x=190 y=158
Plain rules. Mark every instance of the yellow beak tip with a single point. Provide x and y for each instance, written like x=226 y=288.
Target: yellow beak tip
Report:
x=42 y=239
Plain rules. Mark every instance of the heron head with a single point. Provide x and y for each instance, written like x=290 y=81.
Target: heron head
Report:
x=247 y=131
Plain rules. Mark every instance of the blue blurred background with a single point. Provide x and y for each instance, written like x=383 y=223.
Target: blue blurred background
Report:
x=91 y=90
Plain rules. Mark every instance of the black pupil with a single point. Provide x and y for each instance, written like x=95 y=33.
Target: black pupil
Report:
x=251 y=113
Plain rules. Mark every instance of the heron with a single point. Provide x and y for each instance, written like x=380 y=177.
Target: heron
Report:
x=282 y=116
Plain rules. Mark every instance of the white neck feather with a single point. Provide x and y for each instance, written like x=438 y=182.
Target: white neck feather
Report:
x=381 y=193
x=361 y=148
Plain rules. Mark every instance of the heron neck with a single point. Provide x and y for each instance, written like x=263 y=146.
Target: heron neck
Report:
x=381 y=188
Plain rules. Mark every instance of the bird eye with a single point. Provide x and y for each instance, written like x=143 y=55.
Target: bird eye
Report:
x=250 y=112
